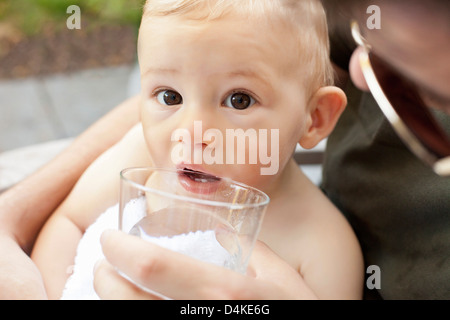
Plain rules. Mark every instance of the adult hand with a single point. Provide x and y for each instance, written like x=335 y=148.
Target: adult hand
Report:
x=19 y=277
x=177 y=276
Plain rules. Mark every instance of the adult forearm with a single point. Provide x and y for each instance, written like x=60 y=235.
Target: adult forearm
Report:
x=25 y=207
x=19 y=277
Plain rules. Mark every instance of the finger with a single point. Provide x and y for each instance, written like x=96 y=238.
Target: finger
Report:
x=109 y=285
x=265 y=263
x=283 y=281
x=170 y=273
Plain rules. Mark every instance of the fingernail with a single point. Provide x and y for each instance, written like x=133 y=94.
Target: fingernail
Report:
x=105 y=235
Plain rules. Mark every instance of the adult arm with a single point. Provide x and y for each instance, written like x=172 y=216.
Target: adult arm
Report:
x=25 y=207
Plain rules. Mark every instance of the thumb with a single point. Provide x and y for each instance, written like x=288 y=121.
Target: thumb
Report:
x=266 y=266
x=264 y=262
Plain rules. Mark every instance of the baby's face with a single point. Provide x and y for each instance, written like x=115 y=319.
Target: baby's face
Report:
x=218 y=77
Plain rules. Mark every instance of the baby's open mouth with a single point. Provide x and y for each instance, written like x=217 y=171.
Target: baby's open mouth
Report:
x=199 y=176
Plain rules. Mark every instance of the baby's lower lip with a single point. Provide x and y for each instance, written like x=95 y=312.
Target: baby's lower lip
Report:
x=198 y=182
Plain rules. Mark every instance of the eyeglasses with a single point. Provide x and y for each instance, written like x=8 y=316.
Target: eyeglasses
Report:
x=403 y=107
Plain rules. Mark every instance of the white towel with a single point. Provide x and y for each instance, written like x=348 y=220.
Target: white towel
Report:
x=202 y=245
x=80 y=285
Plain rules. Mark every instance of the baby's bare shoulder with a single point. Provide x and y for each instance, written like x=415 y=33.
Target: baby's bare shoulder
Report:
x=326 y=249
x=309 y=232
x=317 y=218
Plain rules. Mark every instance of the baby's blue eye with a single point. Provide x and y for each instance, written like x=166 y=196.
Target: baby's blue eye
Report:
x=239 y=101
x=169 y=98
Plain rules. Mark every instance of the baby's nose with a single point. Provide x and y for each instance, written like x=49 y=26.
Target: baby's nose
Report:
x=198 y=121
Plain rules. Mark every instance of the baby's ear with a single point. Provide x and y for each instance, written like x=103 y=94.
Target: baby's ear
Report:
x=325 y=108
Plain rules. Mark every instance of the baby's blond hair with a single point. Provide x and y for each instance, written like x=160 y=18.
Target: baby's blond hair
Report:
x=307 y=16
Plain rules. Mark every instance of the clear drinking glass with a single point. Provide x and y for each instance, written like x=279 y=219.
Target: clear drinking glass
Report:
x=213 y=219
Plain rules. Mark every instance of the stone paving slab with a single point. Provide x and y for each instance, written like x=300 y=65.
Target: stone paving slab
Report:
x=78 y=100
x=24 y=118
x=38 y=110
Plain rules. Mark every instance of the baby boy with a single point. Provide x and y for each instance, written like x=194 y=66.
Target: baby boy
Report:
x=244 y=65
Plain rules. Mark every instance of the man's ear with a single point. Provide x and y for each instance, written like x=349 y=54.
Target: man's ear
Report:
x=355 y=71
x=325 y=108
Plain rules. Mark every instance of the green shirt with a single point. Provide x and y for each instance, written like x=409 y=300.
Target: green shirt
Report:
x=398 y=207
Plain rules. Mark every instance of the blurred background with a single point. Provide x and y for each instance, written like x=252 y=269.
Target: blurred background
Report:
x=55 y=82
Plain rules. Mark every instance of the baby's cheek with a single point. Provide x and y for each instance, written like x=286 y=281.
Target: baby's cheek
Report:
x=157 y=145
x=250 y=175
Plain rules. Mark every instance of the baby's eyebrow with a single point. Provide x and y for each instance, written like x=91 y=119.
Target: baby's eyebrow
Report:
x=160 y=70
x=243 y=73
x=247 y=73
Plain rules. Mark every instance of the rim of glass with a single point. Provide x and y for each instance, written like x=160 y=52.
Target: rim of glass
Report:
x=265 y=198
